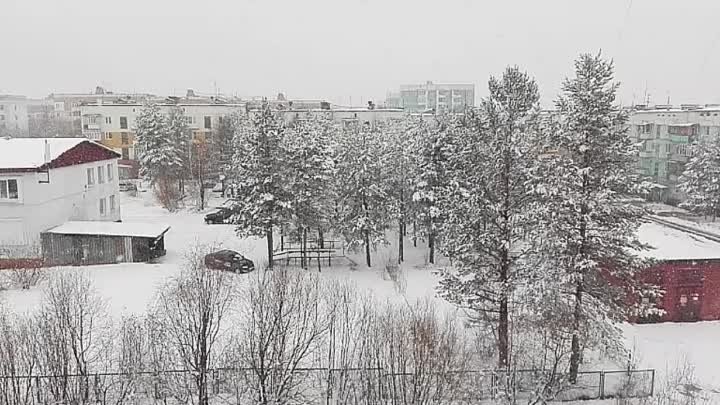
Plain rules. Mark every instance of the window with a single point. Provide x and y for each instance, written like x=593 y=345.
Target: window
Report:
x=123 y=123
x=108 y=120
x=124 y=138
x=90 y=176
x=9 y=189
x=125 y=153
x=112 y=203
x=103 y=206
x=111 y=174
x=208 y=123
x=101 y=175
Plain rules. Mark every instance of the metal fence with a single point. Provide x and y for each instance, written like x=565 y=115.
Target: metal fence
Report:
x=321 y=386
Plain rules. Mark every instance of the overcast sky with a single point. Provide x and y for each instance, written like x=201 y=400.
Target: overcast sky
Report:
x=338 y=49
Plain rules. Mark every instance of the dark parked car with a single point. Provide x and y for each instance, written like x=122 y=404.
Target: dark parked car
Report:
x=229 y=260
x=219 y=216
x=127 y=186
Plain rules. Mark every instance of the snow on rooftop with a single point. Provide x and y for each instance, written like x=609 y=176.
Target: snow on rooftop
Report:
x=673 y=244
x=139 y=229
x=28 y=153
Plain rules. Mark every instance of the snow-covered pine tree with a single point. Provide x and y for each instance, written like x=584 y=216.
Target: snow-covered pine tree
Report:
x=589 y=227
x=488 y=203
x=259 y=174
x=362 y=202
x=221 y=154
x=400 y=168
x=434 y=146
x=700 y=180
x=178 y=134
x=308 y=149
x=156 y=153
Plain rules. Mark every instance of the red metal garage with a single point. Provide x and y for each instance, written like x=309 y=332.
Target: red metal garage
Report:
x=688 y=270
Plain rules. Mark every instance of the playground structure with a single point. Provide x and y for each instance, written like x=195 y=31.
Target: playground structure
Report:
x=303 y=253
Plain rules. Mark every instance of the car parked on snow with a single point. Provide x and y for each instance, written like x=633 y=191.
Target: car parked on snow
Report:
x=219 y=216
x=126 y=185
x=229 y=260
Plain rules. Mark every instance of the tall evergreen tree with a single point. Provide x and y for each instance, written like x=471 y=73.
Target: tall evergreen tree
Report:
x=489 y=204
x=156 y=152
x=221 y=155
x=178 y=134
x=308 y=150
x=400 y=171
x=263 y=201
x=589 y=229
x=701 y=179
x=434 y=148
x=362 y=208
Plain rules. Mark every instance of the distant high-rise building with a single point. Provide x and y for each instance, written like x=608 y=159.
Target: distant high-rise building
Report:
x=13 y=116
x=439 y=98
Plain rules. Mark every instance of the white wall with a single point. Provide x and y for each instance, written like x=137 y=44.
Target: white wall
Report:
x=66 y=197
x=14 y=111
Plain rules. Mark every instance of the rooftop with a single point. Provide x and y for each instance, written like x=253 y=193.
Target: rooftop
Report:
x=27 y=153
x=674 y=244
x=137 y=229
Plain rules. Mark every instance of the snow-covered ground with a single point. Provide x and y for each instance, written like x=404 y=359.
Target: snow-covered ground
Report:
x=130 y=288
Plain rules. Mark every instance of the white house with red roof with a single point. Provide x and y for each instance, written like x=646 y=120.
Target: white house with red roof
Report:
x=45 y=182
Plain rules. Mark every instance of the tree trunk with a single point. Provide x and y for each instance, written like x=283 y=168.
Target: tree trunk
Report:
x=414 y=234
x=503 y=329
x=304 y=249
x=401 y=247
x=282 y=238
x=269 y=237
x=321 y=238
x=431 y=246
x=367 y=248
x=575 y=350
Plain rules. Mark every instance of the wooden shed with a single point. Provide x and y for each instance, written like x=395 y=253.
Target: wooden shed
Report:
x=92 y=242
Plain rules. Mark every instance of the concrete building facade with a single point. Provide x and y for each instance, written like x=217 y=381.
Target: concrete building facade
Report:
x=13 y=115
x=666 y=134
x=113 y=123
x=439 y=98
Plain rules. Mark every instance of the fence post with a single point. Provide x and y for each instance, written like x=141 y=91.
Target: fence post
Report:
x=216 y=382
x=601 y=387
x=37 y=390
x=652 y=383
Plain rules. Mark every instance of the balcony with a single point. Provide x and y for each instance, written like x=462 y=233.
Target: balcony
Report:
x=647 y=153
x=679 y=139
x=95 y=135
x=678 y=157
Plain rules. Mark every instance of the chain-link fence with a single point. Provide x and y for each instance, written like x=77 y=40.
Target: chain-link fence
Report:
x=321 y=386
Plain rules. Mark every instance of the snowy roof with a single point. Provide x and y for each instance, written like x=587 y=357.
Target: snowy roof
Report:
x=674 y=244
x=138 y=229
x=29 y=153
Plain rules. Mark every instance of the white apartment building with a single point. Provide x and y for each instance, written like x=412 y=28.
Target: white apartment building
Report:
x=666 y=133
x=13 y=115
x=113 y=123
x=440 y=98
x=45 y=182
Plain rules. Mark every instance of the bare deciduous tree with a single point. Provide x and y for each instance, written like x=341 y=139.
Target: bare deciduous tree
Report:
x=73 y=334
x=284 y=327
x=190 y=310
